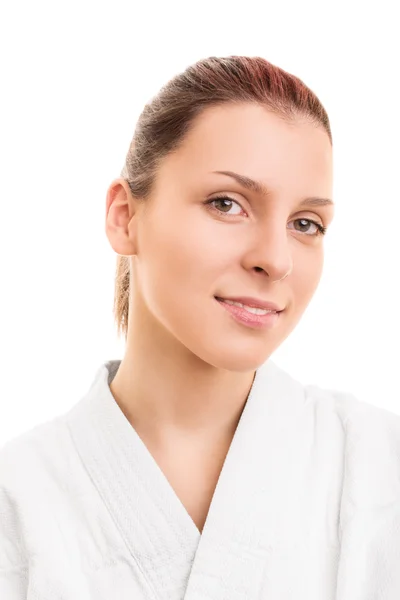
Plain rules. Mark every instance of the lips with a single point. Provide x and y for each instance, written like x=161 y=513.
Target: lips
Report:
x=253 y=302
x=250 y=317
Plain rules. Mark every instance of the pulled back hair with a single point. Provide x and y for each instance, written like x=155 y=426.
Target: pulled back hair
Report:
x=167 y=118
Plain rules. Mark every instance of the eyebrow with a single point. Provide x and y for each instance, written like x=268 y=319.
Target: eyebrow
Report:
x=259 y=188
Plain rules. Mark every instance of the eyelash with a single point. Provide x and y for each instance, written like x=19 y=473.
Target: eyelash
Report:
x=321 y=229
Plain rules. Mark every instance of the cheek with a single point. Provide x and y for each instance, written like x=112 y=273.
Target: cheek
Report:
x=175 y=278
x=173 y=263
x=306 y=279
x=190 y=253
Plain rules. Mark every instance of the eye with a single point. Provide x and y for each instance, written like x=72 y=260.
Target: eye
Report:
x=221 y=199
x=320 y=229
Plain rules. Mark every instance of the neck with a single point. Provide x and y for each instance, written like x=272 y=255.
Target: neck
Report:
x=161 y=385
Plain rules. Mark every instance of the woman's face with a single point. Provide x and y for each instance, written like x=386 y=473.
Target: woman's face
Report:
x=187 y=251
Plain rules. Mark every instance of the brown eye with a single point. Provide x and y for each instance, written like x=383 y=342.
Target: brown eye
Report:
x=321 y=230
x=222 y=200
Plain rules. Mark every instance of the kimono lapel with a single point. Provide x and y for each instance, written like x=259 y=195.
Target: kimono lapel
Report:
x=257 y=510
x=159 y=533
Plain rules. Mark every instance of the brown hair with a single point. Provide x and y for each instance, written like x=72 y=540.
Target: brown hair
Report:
x=167 y=118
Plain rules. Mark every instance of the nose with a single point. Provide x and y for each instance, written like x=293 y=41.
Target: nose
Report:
x=272 y=254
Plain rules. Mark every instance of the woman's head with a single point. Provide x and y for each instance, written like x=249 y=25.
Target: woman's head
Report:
x=177 y=251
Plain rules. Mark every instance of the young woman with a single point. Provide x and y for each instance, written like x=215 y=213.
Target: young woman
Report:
x=195 y=468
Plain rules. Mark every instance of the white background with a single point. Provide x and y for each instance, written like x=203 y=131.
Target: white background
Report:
x=74 y=78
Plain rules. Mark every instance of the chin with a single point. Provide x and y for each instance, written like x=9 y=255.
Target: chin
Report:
x=239 y=358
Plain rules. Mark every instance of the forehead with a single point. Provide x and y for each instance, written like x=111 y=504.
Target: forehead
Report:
x=249 y=139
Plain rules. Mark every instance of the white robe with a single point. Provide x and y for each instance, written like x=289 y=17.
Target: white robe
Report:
x=307 y=505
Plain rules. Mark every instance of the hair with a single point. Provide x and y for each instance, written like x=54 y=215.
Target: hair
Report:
x=167 y=118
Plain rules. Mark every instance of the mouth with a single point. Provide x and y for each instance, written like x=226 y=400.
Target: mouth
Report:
x=253 y=305
x=250 y=316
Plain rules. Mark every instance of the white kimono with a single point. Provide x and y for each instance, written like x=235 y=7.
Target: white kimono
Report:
x=307 y=505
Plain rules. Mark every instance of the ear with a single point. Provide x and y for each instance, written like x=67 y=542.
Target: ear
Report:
x=120 y=211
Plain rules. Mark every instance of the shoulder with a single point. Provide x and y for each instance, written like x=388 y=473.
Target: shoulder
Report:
x=370 y=449
x=36 y=467
x=370 y=436
x=23 y=452
x=36 y=463
x=369 y=507
x=357 y=416
x=39 y=467
x=18 y=478
x=27 y=465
